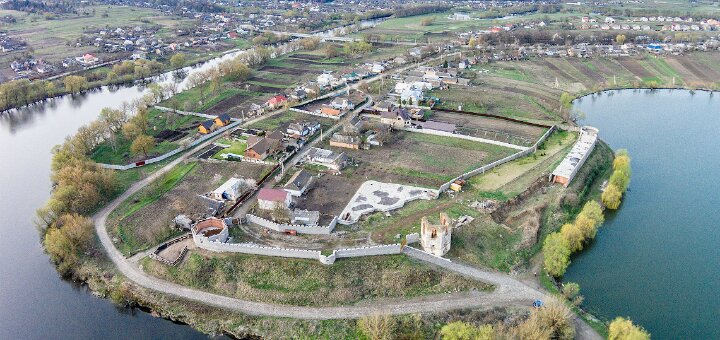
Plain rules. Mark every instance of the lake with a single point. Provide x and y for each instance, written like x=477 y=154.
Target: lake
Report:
x=656 y=259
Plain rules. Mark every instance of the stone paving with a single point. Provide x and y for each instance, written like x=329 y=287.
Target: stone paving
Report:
x=375 y=196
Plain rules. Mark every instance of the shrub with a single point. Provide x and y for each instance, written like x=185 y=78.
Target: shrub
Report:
x=623 y=329
x=377 y=327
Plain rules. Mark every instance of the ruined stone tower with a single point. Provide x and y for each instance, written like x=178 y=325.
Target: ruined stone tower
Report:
x=435 y=238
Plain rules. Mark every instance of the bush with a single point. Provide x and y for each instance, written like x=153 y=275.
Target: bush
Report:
x=459 y=330
x=377 y=327
x=623 y=329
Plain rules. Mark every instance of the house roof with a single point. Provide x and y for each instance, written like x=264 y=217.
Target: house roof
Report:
x=260 y=147
x=329 y=111
x=224 y=117
x=299 y=180
x=207 y=124
x=274 y=195
x=275 y=135
x=398 y=112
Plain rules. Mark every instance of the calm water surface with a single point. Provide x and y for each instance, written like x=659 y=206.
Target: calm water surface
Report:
x=34 y=302
x=657 y=259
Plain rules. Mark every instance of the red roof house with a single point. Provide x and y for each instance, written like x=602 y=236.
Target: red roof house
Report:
x=276 y=101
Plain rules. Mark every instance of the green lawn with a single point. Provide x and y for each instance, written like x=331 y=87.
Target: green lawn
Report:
x=122 y=154
x=236 y=147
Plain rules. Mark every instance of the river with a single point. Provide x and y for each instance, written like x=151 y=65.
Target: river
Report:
x=34 y=302
x=657 y=259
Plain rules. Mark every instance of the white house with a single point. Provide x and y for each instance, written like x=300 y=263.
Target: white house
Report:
x=411 y=95
x=230 y=190
x=326 y=79
x=270 y=199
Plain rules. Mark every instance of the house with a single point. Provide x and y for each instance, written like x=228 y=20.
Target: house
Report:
x=276 y=101
x=299 y=183
x=232 y=189
x=326 y=158
x=206 y=127
x=411 y=96
x=398 y=118
x=274 y=140
x=258 y=149
x=270 y=199
x=326 y=79
x=327 y=110
x=383 y=106
x=345 y=141
x=297 y=130
x=87 y=59
x=342 y=104
x=222 y=120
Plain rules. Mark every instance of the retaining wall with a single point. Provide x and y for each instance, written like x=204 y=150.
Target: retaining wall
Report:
x=256 y=249
x=300 y=228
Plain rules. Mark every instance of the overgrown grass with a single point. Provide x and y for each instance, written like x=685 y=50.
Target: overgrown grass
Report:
x=308 y=282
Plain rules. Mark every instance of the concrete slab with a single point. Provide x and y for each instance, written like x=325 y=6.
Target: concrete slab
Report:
x=375 y=196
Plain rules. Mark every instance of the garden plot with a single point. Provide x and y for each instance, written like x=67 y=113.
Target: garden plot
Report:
x=375 y=196
x=144 y=220
x=491 y=128
x=282 y=120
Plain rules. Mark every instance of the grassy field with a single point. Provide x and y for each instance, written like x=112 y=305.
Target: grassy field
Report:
x=50 y=38
x=308 y=282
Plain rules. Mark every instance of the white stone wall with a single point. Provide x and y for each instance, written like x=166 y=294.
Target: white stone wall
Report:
x=301 y=229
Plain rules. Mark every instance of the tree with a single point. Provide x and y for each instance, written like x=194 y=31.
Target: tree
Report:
x=611 y=197
x=427 y=21
x=623 y=329
x=75 y=84
x=67 y=238
x=142 y=144
x=459 y=330
x=570 y=290
x=178 y=60
x=556 y=252
x=620 y=39
x=593 y=211
x=331 y=51
x=472 y=43
x=586 y=225
x=620 y=180
x=377 y=327
x=573 y=235
x=556 y=317
x=565 y=105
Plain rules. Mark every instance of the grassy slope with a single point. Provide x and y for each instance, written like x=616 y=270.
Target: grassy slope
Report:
x=308 y=282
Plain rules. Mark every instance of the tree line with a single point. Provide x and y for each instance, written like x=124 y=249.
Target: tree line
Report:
x=20 y=92
x=619 y=180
